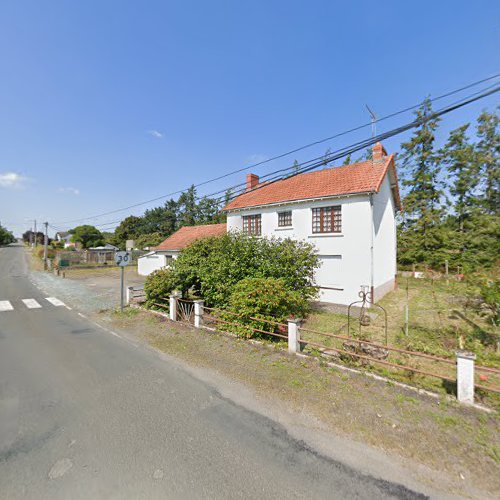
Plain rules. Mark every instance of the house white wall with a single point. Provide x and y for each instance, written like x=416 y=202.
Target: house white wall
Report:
x=384 y=225
x=345 y=257
x=148 y=263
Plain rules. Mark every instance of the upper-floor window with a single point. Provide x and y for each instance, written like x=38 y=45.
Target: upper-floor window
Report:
x=252 y=224
x=285 y=219
x=327 y=220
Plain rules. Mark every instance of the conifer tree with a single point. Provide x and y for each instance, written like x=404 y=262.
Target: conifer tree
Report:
x=422 y=204
x=488 y=150
x=460 y=157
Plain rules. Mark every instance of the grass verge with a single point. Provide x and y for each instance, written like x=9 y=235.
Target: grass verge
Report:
x=461 y=442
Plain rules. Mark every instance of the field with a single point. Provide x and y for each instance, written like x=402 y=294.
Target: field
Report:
x=440 y=322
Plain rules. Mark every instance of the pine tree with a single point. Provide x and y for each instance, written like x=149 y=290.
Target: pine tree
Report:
x=488 y=150
x=460 y=157
x=422 y=204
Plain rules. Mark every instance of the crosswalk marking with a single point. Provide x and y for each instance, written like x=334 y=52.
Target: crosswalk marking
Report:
x=5 y=305
x=31 y=303
x=55 y=302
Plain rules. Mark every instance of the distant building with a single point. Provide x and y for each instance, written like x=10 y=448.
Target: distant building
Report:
x=65 y=237
x=169 y=249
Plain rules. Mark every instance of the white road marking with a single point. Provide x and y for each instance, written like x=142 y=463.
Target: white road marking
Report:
x=31 y=303
x=5 y=305
x=55 y=302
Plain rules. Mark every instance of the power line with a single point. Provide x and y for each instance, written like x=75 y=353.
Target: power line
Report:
x=355 y=147
x=392 y=115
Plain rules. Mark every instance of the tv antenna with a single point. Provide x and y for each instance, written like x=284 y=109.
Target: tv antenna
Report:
x=373 y=117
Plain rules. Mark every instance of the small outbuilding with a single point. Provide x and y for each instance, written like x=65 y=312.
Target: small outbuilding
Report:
x=169 y=249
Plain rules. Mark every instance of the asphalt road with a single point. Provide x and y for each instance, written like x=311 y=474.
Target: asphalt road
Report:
x=84 y=414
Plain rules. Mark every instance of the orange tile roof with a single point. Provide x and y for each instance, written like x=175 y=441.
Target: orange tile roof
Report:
x=189 y=234
x=358 y=178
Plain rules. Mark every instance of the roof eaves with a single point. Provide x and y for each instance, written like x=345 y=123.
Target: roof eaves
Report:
x=300 y=200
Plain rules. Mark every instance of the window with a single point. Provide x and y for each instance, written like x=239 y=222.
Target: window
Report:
x=284 y=219
x=252 y=224
x=327 y=220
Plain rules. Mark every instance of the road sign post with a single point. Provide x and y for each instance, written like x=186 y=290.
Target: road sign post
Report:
x=122 y=259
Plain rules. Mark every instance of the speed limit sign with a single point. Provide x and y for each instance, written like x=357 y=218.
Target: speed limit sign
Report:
x=122 y=258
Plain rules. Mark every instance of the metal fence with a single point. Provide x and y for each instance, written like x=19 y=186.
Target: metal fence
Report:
x=458 y=374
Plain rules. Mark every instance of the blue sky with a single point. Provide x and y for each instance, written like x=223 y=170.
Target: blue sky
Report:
x=104 y=103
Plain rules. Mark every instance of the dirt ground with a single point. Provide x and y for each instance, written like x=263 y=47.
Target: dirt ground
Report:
x=462 y=443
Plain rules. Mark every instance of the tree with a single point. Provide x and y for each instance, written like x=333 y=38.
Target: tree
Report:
x=129 y=229
x=6 y=237
x=488 y=151
x=88 y=236
x=29 y=237
x=188 y=211
x=422 y=204
x=463 y=170
x=148 y=240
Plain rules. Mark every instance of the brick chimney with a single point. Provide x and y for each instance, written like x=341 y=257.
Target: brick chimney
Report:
x=378 y=153
x=252 y=181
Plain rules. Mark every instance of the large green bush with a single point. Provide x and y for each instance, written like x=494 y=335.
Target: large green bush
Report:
x=158 y=286
x=255 y=300
x=212 y=267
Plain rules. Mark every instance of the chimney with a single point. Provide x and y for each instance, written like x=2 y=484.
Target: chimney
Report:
x=252 y=181
x=378 y=153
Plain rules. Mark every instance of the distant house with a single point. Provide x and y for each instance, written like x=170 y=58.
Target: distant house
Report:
x=348 y=214
x=169 y=249
x=65 y=237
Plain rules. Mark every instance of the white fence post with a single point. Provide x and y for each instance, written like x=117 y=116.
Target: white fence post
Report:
x=293 y=335
x=465 y=376
x=198 y=313
x=130 y=294
x=173 y=306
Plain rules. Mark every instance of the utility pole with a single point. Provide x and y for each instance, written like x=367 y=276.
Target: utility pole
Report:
x=35 y=234
x=45 y=244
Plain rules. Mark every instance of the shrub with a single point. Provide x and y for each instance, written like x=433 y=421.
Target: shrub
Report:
x=158 y=286
x=212 y=267
x=254 y=300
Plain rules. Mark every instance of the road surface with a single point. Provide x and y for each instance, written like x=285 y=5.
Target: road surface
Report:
x=84 y=414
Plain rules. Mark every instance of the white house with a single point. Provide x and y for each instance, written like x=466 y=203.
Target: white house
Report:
x=347 y=212
x=65 y=237
x=169 y=249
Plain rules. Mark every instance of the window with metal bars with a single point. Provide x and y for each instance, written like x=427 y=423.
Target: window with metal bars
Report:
x=285 y=219
x=252 y=224
x=327 y=220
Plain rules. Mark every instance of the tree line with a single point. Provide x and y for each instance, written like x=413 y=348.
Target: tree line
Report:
x=451 y=194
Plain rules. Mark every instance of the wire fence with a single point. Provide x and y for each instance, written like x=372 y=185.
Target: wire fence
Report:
x=387 y=360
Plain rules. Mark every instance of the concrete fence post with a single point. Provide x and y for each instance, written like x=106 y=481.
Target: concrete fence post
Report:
x=293 y=335
x=198 y=313
x=173 y=306
x=465 y=376
x=129 y=294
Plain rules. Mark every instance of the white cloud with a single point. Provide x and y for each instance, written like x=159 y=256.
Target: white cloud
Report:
x=71 y=190
x=12 y=180
x=156 y=134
